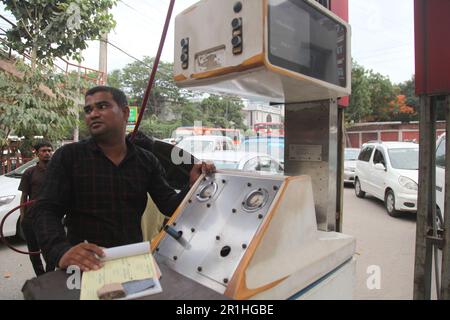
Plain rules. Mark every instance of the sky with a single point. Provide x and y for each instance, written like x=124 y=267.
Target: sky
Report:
x=382 y=34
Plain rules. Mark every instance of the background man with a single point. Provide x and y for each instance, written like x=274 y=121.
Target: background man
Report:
x=30 y=185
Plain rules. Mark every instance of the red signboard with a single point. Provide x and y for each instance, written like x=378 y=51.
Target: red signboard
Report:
x=432 y=25
x=340 y=8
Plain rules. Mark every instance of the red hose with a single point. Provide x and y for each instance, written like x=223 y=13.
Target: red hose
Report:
x=155 y=67
x=2 y=237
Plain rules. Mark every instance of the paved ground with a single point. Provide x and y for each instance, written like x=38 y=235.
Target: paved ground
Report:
x=15 y=269
x=381 y=241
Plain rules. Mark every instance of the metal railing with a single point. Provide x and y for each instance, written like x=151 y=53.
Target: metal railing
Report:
x=95 y=76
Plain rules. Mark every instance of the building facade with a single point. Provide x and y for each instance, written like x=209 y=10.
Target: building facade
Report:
x=255 y=112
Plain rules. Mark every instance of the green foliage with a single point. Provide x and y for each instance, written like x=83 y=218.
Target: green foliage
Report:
x=134 y=77
x=41 y=103
x=159 y=129
x=57 y=28
x=222 y=112
x=375 y=98
x=381 y=94
x=214 y=111
x=360 y=104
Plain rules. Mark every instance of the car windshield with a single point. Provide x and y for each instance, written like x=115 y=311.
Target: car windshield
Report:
x=273 y=148
x=405 y=158
x=20 y=170
x=350 y=155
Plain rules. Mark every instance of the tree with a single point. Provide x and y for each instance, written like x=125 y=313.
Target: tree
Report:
x=57 y=28
x=223 y=112
x=40 y=103
x=400 y=111
x=408 y=89
x=360 y=100
x=134 y=77
x=381 y=95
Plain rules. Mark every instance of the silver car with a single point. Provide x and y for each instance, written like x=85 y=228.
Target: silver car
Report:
x=245 y=161
x=350 y=158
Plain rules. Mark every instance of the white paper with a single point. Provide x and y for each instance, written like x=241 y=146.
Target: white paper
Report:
x=126 y=251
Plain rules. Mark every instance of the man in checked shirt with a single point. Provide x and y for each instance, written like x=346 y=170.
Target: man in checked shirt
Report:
x=101 y=185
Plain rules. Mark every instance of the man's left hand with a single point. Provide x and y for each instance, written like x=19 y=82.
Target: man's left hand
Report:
x=200 y=168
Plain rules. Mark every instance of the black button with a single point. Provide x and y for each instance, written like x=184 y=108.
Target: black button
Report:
x=225 y=251
x=236 y=23
x=184 y=42
x=237 y=7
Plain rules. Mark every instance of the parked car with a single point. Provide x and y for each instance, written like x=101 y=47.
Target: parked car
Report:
x=273 y=146
x=201 y=144
x=245 y=161
x=389 y=171
x=10 y=198
x=440 y=179
x=350 y=158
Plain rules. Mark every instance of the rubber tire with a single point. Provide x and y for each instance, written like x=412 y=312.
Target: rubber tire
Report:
x=391 y=211
x=358 y=192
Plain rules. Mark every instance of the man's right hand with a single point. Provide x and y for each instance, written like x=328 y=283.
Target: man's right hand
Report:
x=84 y=255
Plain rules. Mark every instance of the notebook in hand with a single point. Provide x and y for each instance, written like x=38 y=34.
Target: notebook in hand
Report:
x=131 y=269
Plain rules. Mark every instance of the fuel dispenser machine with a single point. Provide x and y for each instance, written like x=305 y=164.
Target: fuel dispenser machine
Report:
x=253 y=236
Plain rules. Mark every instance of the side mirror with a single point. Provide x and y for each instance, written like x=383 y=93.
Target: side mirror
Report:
x=380 y=166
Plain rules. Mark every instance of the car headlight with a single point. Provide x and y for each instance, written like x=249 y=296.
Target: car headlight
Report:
x=6 y=199
x=408 y=183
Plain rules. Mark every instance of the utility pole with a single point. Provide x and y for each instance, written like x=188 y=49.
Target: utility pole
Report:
x=103 y=59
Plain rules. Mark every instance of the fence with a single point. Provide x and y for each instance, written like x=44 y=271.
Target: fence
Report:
x=11 y=163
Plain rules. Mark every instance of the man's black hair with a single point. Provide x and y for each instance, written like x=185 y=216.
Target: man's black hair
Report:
x=118 y=95
x=42 y=144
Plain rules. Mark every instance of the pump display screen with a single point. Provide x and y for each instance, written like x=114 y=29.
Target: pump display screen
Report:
x=305 y=40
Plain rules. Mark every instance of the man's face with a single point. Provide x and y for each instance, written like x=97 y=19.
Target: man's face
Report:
x=103 y=116
x=44 y=154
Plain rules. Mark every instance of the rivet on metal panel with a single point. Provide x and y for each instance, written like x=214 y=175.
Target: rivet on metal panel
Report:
x=234 y=210
x=199 y=269
x=192 y=230
x=260 y=216
x=208 y=205
x=157 y=249
x=249 y=184
x=224 y=181
x=275 y=188
x=175 y=258
x=217 y=238
x=225 y=280
x=244 y=246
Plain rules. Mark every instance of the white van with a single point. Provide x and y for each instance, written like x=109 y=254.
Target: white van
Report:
x=389 y=171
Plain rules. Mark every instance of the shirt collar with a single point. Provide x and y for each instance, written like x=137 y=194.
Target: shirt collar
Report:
x=131 y=149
